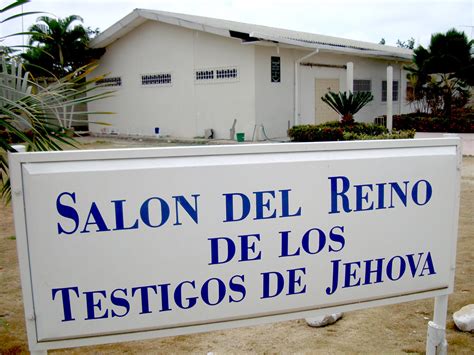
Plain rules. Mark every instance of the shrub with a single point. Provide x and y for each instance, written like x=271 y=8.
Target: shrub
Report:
x=408 y=134
x=462 y=121
x=336 y=131
x=314 y=133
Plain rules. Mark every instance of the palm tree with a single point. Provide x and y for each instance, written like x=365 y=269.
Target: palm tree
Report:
x=29 y=111
x=61 y=46
x=443 y=72
x=347 y=105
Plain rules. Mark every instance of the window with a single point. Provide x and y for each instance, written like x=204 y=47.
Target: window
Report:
x=204 y=74
x=162 y=79
x=275 y=67
x=395 y=91
x=226 y=73
x=216 y=75
x=110 y=81
x=362 y=86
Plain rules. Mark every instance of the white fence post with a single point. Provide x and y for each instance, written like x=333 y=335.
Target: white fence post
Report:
x=436 y=343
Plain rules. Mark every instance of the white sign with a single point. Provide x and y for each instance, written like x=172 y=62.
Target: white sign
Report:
x=132 y=244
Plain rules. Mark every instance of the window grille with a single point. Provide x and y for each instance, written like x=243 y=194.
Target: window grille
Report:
x=230 y=73
x=394 y=92
x=204 y=74
x=110 y=81
x=156 y=79
x=362 y=86
x=216 y=75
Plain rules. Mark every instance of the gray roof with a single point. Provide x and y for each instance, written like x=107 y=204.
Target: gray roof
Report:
x=250 y=34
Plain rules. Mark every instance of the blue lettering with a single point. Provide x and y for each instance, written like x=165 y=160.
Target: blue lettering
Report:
x=307 y=238
x=285 y=247
x=294 y=280
x=361 y=198
x=237 y=287
x=97 y=220
x=190 y=210
x=119 y=301
x=230 y=248
x=428 y=192
x=68 y=212
x=91 y=305
x=377 y=271
x=119 y=219
x=285 y=205
x=66 y=300
x=267 y=278
x=229 y=207
x=144 y=296
x=221 y=291
x=178 y=295
x=402 y=194
x=350 y=273
x=261 y=205
x=246 y=246
x=338 y=238
x=400 y=271
x=145 y=212
x=335 y=193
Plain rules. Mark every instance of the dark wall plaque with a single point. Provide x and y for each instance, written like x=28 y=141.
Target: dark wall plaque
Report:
x=276 y=70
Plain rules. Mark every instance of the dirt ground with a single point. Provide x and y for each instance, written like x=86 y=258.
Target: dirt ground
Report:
x=391 y=329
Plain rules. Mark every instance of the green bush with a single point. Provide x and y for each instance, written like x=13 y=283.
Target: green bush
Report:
x=407 y=134
x=337 y=131
x=314 y=133
x=462 y=121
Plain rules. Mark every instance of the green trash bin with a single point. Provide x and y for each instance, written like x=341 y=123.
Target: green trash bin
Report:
x=240 y=137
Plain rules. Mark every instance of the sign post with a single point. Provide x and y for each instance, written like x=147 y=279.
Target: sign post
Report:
x=120 y=245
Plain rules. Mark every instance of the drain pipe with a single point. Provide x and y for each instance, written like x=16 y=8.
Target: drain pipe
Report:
x=296 y=97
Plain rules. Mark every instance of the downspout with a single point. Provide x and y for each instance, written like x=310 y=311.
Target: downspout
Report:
x=400 y=90
x=296 y=97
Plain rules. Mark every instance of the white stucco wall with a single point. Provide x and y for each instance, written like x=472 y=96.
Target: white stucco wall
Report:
x=274 y=101
x=364 y=68
x=185 y=108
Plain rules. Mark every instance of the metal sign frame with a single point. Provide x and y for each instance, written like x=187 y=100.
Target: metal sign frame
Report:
x=18 y=160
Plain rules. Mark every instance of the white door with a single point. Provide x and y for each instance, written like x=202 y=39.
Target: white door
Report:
x=322 y=112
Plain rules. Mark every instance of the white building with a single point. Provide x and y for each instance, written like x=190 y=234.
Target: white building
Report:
x=184 y=74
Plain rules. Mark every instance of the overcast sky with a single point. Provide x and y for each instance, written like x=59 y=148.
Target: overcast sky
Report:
x=367 y=20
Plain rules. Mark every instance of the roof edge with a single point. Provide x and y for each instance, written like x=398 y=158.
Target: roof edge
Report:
x=139 y=16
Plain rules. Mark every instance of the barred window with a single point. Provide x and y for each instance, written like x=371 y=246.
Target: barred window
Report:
x=110 y=81
x=216 y=75
x=230 y=73
x=204 y=74
x=362 y=86
x=156 y=79
x=394 y=93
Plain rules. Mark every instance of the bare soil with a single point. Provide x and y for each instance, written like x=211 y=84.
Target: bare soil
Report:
x=391 y=329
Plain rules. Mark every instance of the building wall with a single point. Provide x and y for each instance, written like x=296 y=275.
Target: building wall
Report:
x=274 y=101
x=185 y=108
x=364 y=68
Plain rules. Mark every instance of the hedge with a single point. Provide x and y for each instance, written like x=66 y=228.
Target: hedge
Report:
x=462 y=121
x=336 y=131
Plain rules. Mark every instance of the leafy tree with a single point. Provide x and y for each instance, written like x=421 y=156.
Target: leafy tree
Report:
x=347 y=105
x=29 y=111
x=443 y=72
x=409 y=44
x=61 y=46
x=382 y=41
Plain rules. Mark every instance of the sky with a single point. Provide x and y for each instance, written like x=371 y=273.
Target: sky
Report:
x=365 y=20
